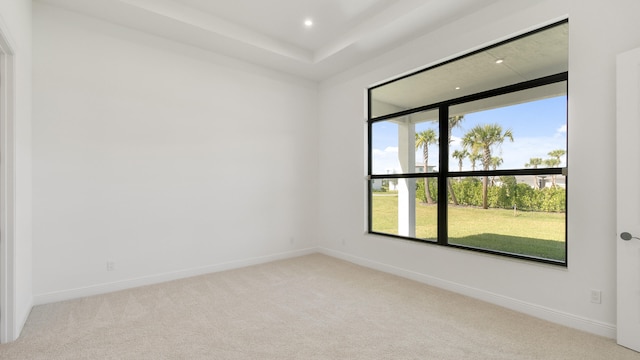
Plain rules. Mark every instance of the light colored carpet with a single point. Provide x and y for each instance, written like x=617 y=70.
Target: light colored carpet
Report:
x=311 y=307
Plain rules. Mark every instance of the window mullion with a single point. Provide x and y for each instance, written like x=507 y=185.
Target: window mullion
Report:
x=369 y=163
x=443 y=171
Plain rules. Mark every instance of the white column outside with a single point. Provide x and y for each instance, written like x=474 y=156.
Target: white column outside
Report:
x=407 y=187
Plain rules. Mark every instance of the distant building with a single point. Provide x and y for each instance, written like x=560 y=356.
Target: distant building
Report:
x=430 y=168
x=544 y=181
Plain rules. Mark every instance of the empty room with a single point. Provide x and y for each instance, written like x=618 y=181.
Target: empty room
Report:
x=319 y=179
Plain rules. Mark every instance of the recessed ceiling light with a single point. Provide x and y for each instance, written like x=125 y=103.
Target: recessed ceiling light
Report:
x=499 y=61
x=457 y=87
x=308 y=23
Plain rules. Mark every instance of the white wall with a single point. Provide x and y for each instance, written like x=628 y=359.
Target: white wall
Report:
x=598 y=31
x=166 y=160
x=16 y=16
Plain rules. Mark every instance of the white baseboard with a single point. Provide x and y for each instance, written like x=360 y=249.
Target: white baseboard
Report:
x=552 y=315
x=104 y=288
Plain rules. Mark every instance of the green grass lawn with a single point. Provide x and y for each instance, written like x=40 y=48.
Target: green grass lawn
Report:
x=537 y=234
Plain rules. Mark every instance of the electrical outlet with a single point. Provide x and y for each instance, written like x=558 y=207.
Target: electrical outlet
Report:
x=111 y=266
x=596 y=296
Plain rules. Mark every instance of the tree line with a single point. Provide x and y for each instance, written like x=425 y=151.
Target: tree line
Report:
x=477 y=146
x=508 y=195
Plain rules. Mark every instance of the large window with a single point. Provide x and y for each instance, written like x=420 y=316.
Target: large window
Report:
x=472 y=153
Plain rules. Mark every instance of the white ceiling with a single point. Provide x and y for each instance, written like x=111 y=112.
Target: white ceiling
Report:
x=271 y=32
x=531 y=57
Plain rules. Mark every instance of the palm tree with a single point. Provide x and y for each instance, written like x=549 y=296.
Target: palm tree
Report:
x=424 y=139
x=534 y=162
x=484 y=138
x=557 y=154
x=552 y=162
x=474 y=157
x=460 y=155
x=454 y=121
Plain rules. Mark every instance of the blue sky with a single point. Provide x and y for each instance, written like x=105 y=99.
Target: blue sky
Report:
x=538 y=127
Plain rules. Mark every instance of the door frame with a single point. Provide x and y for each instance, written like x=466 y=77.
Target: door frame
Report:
x=8 y=326
x=627 y=92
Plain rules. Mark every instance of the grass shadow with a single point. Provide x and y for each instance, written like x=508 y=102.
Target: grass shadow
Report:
x=548 y=249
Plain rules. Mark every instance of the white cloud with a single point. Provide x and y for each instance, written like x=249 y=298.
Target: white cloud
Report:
x=386 y=161
x=562 y=129
x=387 y=150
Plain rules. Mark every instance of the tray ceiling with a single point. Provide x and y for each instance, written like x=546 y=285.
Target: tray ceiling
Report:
x=271 y=33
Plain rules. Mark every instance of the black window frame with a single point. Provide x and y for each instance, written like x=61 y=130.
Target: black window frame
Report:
x=443 y=164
